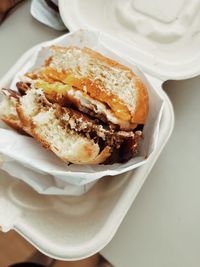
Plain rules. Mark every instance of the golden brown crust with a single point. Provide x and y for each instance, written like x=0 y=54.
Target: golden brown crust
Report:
x=142 y=103
x=26 y=124
x=43 y=142
x=108 y=61
x=138 y=114
x=24 y=121
x=94 y=90
x=97 y=92
x=16 y=125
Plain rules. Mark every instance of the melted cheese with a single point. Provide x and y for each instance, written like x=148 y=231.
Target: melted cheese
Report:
x=97 y=107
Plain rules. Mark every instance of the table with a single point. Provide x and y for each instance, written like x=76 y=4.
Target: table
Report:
x=162 y=227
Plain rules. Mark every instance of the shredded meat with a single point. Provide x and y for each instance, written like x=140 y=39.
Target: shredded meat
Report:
x=23 y=87
x=124 y=144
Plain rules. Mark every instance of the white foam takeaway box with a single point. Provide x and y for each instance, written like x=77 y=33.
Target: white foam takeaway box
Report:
x=24 y=158
x=163 y=39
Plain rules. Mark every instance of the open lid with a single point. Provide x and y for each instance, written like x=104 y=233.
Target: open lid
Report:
x=162 y=37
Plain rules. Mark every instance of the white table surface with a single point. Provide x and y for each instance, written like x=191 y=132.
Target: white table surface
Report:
x=162 y=229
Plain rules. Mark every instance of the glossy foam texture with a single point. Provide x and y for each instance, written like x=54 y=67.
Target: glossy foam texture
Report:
x=161 y=36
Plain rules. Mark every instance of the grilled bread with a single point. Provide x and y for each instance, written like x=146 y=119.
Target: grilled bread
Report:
x=94 y=84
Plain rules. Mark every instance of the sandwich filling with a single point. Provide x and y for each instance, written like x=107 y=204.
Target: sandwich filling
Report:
x=58 y=128
x=67 y=95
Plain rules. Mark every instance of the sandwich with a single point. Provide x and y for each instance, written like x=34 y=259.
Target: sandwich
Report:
x=81 y=105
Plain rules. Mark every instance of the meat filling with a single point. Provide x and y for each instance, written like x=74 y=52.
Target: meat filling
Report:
x=124 y=144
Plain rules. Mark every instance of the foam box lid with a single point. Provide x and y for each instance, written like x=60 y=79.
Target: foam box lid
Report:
x=162 y=37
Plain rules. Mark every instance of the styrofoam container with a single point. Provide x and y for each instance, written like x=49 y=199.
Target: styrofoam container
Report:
x=44 y=171
x=71 y=228
x=162 y=37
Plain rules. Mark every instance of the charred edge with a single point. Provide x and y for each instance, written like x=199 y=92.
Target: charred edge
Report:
x=23 y=87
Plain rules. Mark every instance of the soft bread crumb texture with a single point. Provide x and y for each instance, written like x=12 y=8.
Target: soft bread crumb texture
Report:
x=70 y=147
x=8 y=114
x=8 y=108
x=122 y=87
x=46 y=128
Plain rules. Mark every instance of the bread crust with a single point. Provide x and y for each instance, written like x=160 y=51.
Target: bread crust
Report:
x=139 y=113
x=135 y=114
x=87 y=152
x=25 y=122
x=16 y=125
x=142 y=104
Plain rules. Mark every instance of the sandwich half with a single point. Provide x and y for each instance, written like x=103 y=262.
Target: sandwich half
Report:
x=82 y=106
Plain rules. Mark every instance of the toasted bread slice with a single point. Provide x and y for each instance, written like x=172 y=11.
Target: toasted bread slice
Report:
x=79 y=100
x=121 y=94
